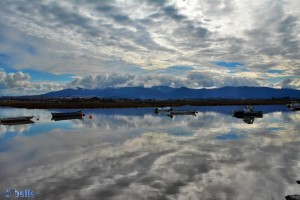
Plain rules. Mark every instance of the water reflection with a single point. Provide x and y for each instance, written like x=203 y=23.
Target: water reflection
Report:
x=248 y=120
x=17 y=122
x=66 y=118
x=135 y=154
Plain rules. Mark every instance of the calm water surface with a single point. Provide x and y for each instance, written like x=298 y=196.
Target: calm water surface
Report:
x=136 y=154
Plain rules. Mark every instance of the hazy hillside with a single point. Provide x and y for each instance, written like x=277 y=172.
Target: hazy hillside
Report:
x=164 y=92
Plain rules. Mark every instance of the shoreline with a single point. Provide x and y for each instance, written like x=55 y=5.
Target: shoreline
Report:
x=88 y=104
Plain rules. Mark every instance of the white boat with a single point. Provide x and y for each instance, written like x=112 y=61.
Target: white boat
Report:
x=294 y=106
x=163 y=109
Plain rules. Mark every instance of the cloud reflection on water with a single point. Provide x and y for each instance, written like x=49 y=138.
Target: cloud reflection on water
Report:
x=154 y=157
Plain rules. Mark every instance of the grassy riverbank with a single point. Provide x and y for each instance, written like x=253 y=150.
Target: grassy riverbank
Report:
x=114 y=103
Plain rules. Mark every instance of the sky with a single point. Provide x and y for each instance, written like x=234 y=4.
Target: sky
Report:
x=48 y=45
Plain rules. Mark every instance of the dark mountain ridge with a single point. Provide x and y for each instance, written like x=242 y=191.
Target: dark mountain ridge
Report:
x=164 y=92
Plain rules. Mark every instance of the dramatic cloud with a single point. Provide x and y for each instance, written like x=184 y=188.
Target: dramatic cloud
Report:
x=86 y=38
x=13 y=80
x=192 y=80
x=19 y=84
x=293 y=83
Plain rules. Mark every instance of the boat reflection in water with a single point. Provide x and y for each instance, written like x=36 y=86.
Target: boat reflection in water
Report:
x=10 y=123
x=16 y=120
x=247 y=114
x=66 y=118
x=181 y=112
x=67 y=115
x=162 y=110
x=293 y=106
x=248 y=120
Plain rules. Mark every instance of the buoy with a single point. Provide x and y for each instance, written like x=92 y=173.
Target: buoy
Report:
x=91 y=117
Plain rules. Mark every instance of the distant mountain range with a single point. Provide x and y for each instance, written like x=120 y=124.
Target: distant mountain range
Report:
x=164 y=92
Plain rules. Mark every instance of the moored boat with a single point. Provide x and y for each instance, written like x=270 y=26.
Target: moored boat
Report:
x=17 y=123
x=16 y=119
x=293 y=106
x=68 y=114
x=248 y=111
x=66 y=118
x=183 y=112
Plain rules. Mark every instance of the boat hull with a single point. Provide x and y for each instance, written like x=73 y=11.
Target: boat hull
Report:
x=69 y=114
x=183 y=112
x=17 y=123
x=16 y=119
x=66 y=118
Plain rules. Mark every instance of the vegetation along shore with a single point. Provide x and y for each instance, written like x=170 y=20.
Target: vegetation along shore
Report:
x=129 y=103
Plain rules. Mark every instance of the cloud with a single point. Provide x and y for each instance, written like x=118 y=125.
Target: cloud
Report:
x=13 y=80
x=104 y=37
x=293 y=83
x=19 y=83
x=191 y=80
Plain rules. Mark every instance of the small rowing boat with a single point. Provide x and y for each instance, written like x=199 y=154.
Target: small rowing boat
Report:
x=66 y=118
x=68 y=114
x=16 y=119
x=17 y=123
x=182 y=112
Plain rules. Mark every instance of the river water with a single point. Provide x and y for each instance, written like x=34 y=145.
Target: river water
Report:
x=136 y=154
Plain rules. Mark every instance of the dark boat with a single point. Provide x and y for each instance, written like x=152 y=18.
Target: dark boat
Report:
x=248 y=111
x=66 y=118
x=292 y=197
x=68 y=114
x=16 y=119
x=248 y=120
x=17 y=123
x=182 y=112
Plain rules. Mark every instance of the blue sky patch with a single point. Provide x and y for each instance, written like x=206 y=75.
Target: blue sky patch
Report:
x=229 y=136
x=37 y=75
x=228 y=64
x=5 y=60
x=275 y=71
x=183 y=68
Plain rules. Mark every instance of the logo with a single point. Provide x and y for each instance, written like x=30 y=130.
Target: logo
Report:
x=7 y=193
x=27 y=193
